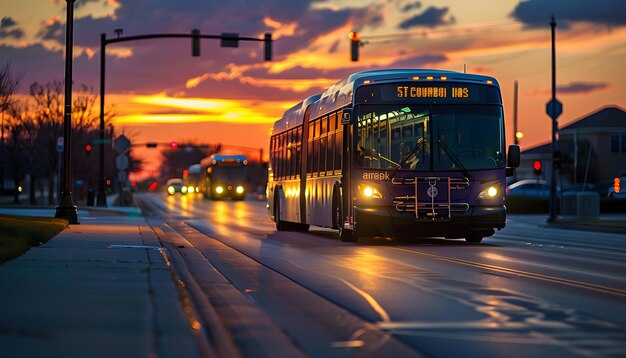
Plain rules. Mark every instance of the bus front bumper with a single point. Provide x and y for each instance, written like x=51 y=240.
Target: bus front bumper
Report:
x=387 y=221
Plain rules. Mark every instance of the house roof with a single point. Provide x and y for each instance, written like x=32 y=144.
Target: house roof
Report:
x=607 y=117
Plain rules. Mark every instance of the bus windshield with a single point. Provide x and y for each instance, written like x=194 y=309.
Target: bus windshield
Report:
x=430 y=137
x=228 y=173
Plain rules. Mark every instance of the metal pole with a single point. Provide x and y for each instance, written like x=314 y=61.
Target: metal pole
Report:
x=515 y=139
x=66 y=208
x=553 y=197
x=2 y=161
x=101 y=199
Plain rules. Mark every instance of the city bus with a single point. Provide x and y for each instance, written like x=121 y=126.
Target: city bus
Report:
x=192 y=177
x=224 y=176
x=394 y=153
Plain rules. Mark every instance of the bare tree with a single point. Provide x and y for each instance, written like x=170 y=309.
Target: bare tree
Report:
x=9 y=84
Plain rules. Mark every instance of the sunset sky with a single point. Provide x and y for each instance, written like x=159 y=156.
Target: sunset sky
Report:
x=162 y=93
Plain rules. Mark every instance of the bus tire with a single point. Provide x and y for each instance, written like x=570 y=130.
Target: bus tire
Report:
x=474 y=239
x=280 y=225
x=299 y=227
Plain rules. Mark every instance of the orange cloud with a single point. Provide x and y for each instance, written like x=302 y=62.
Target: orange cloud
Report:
x=280 y=29
x=202 y=110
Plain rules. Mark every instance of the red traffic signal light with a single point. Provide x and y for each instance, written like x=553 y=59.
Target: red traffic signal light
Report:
x=88 y=147
x=355 y=42
x=174 y=145
x=537 y=167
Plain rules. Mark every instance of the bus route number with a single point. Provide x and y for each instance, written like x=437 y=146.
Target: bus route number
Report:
x=432 y=92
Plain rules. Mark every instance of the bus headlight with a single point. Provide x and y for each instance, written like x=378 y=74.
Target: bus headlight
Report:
x=370 y=192
x=171 y=190
x=239 y=189
x=219 y=189
x=490 y=192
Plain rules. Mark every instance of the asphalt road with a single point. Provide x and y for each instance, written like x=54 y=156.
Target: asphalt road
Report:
x=528 y=291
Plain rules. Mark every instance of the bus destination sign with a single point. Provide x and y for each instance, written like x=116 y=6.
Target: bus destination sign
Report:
x=432 y=92
x=428 y=93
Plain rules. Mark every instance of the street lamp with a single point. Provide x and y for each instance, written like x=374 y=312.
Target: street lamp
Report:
x=66 y=209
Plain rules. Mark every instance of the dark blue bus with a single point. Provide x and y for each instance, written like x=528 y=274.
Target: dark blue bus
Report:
x=400 y=153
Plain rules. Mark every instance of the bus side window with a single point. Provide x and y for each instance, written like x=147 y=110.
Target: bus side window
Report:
x=299 y=152
x=309 y=152
x=338 y=149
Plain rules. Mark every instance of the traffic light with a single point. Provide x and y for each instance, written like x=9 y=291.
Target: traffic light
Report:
x=88 y=149
x=174 y=145
x=268 y=46
x=195 y=42
x=617 y=185
x=537 y=167
x=354 y=45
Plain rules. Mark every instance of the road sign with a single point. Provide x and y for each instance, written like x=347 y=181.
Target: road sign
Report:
x=59 y=144
x=554 y=108
x=121 y=144
x=121 y=162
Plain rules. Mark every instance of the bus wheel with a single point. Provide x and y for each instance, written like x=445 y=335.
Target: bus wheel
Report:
x=475 y=239
x=300 y=227
x=280 y=225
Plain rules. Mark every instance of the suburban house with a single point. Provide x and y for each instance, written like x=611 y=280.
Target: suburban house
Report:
x=593 y=150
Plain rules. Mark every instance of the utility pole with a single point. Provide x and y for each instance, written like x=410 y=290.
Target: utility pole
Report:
x=66 y=209
x=515 y=131
x=554 y=108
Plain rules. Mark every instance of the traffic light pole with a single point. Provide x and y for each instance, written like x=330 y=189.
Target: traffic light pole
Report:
x=66 y=209
x=101 y=199
x=230 y=39
x=555 y=126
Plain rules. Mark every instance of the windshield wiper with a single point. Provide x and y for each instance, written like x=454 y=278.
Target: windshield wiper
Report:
x=406 y=157
x=454 y=158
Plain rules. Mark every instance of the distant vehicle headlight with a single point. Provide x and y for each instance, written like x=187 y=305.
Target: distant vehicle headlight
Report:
x=171 y=190
x=183 y=189
x=239 y=189
x=219 y=189
x=190 y=189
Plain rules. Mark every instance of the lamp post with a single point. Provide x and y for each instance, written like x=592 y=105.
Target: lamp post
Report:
x=66 y=209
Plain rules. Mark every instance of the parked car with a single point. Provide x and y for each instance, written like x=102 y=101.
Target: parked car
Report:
x=176 y=185
x=581 y=187
x=530 y=187
x=9 y=188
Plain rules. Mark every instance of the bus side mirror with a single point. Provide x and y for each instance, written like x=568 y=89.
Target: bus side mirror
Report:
x=513 y=159
x=346 y=115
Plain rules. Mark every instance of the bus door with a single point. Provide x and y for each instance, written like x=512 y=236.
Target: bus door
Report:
x=304 y=153
x=346 y=173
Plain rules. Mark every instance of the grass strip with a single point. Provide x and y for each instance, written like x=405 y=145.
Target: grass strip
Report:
x=19 y=233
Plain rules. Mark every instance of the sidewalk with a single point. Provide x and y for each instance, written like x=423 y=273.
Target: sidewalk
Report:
x=609 y=223
x=102 y=288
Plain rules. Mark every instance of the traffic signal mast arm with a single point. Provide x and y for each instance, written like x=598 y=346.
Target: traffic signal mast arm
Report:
x=195 y=34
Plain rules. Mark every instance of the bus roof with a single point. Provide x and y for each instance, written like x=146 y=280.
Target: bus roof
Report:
x=222 y=157
x=340 y=94
x=195 y=168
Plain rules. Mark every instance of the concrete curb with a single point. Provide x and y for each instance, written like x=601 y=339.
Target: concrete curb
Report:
x=212 y=328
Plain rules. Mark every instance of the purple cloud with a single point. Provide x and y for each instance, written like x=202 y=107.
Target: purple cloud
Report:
x=431 y=17
x=536 y=13
x=9 y=28
x=581 y=87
